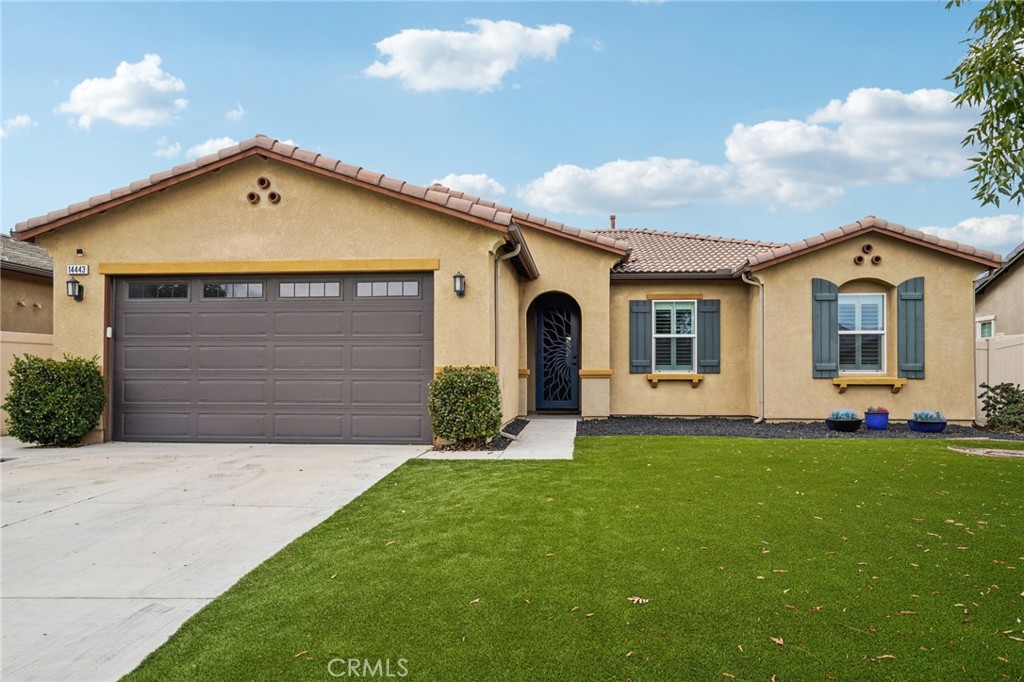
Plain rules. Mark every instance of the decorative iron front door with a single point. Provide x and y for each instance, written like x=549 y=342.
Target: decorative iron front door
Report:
x=558 y=350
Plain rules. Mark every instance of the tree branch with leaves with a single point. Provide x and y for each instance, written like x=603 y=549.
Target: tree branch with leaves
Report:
x=991 y=78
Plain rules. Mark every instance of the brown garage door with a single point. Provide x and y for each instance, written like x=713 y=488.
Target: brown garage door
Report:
x=303 y=359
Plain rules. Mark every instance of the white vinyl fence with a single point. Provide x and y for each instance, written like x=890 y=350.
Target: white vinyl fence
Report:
x=996 y=360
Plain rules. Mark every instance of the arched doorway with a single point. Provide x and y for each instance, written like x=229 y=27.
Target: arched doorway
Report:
x=557 y=352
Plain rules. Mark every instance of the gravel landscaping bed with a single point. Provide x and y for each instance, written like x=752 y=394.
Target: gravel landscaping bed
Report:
x=746 y=428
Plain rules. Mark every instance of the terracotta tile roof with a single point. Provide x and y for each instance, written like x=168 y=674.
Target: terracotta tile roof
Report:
x=872 y=224
x=24 y=255
x=1016 y=256
x=603 y=237
x=437 y=197
x=654 y=251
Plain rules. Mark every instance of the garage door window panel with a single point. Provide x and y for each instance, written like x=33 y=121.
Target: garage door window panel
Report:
x=235 y=290
x=305 y=290
x=158 y=290
x=388 y=289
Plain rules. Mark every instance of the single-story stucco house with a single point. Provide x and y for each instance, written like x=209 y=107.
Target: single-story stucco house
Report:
x=999 y=298
x=267 y=293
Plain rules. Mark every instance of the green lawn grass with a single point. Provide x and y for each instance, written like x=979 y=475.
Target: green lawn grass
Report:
x=865 y=560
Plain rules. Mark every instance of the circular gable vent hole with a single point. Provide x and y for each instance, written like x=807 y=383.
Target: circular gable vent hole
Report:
x=262 y=182
x=274 y=197
x=252 y=198
x=866 y=248
x=858 y=260
x=875 y=260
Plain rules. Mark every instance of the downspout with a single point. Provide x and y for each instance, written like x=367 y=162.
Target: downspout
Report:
x=760 y=285
x=497 y=309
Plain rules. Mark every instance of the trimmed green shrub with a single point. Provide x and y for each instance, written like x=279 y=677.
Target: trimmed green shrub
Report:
x=465 y=404
x=1004 y=407
x=54 y=402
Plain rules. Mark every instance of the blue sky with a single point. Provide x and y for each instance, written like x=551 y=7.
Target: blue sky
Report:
x=758 y=120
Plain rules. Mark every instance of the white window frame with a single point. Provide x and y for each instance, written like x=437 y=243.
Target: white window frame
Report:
x=871 y=332
x=655 y=336
x=978 y=321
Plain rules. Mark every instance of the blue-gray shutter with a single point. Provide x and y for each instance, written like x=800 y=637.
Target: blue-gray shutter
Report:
x=639 y=337
x=910 y=328
x=709 y=334
x=825 y=328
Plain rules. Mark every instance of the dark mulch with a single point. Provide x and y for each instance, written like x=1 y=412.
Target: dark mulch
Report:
x=513 y=428
x=746 y=428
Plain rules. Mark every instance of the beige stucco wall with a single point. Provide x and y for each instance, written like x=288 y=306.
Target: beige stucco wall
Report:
x=792 y=393
x=730 y=393
x=26 y=303
x=18 y=344
x=1004 y=299
x=209 y=219
x=508 y=341
x=580 y=271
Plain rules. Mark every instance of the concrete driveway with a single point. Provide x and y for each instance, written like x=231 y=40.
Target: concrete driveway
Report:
x=108 y=549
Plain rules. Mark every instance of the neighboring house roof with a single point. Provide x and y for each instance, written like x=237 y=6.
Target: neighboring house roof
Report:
x=24 y=257
x=1016 y=256
x=436 y=197
x=662 y=253
x=872 y=224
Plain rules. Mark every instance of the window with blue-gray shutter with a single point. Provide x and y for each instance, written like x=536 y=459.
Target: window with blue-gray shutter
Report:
x=708 y=337
x=825 y=328
x=910 y=328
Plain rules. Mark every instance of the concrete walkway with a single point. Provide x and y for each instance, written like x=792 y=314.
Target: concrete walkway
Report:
x=108 y=549
x=545 y=437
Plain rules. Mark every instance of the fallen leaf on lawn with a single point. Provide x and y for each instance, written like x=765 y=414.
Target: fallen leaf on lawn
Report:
x=777 y=640
x=1016 y=639
x=575 y=608
x=549 y=555
x=638 y=600
x=301 y=653
x=779 y=570
x=914 y=565
x=935 y=535
x=740 y=647
x=786 y=591
x=773 y=678
x=589 y=615
x=817 y=608
x=390 y=542
x=950 y=521
x=527 y=601
x=1002 y=659
x=760 y=577
x=790 y=606
x=879 y=658
x=908 y=613
x=628 y=654
x=334 y=576
x=731 y=677
x=475 y=601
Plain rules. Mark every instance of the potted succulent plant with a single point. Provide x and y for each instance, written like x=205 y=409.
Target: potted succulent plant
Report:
x=842 y=420
x=927 y=422
x=877 y=418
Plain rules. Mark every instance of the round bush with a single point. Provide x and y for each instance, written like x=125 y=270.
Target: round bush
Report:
x=465 y=404
x=54 y=402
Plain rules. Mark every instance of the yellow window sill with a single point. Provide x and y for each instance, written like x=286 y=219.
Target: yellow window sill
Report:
x=896 y=383
x=694 y=378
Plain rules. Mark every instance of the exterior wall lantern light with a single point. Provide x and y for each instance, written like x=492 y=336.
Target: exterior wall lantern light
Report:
x=75 y=289
x=459 y=282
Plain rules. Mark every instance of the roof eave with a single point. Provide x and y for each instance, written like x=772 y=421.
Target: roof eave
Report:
x=26 y=269
x=27 y=232
x=981 y=260
x=525 y=258
x=642 y=276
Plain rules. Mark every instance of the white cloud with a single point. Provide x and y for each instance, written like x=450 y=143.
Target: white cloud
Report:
x=873 y=137
x=653 y=184
x=477 y=184
x=166 y=149
x=140 y=95
x=211 y=146
x=431 y=60
x=15 y=122
x=1000 y=233
x=235 y=114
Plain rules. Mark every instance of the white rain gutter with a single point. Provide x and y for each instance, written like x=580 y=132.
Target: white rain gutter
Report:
x=760 y=285
x=497 y=309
